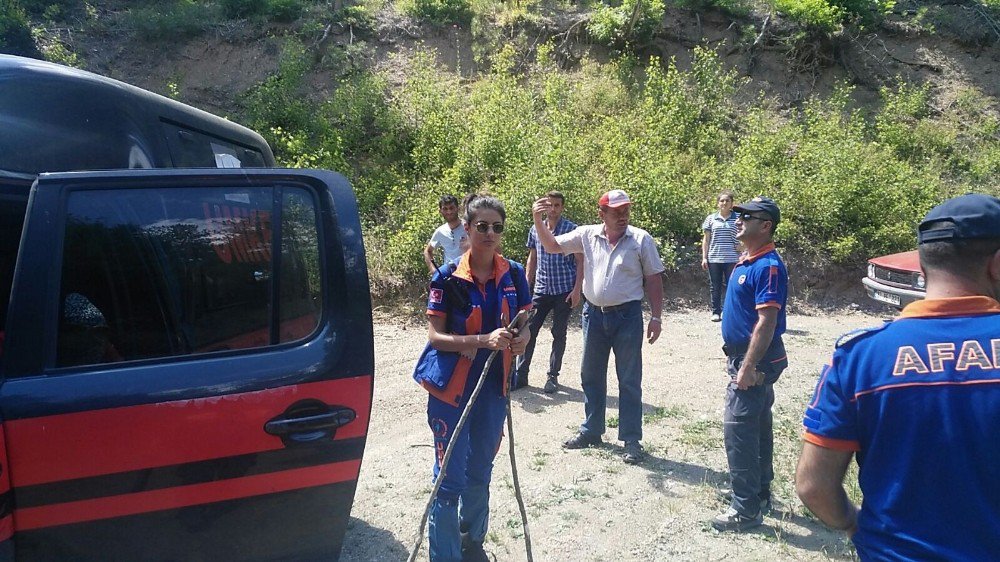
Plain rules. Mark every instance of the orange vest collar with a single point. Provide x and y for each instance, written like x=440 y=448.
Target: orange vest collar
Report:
x=464 y=268
x=767 y=248
x=955 y=306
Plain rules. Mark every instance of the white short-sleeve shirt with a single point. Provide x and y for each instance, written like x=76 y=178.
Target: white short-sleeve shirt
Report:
x=449 y=240
x=613 y=275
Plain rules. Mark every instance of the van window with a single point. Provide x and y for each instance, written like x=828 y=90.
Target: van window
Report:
x=164 y=272
x=194 y=149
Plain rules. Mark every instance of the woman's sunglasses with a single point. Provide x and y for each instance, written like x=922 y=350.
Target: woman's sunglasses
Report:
x=484 y=227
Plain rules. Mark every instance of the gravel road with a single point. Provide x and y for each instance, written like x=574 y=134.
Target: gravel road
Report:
x=588 y=505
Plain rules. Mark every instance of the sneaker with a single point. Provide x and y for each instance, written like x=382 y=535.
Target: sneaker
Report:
x=716 y=318
x=582 y=441
x=633 y=453
x=766 y=506
x=474 y=552
x=731 y=520
x=551 y=385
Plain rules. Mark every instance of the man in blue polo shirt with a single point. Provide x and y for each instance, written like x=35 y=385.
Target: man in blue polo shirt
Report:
x=752 y=324
x=918 y=401
x=556 y=286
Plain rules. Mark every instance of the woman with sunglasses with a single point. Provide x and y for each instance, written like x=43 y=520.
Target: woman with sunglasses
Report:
x=471 y=302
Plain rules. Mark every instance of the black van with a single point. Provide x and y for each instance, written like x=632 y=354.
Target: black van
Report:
x=187 y=351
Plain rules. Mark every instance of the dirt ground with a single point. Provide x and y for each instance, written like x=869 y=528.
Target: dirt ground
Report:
x=589 y=505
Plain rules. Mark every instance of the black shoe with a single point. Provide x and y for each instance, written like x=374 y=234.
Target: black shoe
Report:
x=731 y=520
x=551 y=385
x=633 y=453
x=474 y=552
x=766 y=505
x=582 y=441
x=520 y=381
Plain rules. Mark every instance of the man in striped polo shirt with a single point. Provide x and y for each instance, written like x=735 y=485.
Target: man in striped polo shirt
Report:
x=556 y=284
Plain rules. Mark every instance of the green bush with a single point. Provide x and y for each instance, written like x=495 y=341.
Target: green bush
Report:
x=614 y=25
x=243 y=8
x=15 y=31
x=438 y=12
x=829 y=15
x=850 y=185
x=175 y=19
x=819 y=14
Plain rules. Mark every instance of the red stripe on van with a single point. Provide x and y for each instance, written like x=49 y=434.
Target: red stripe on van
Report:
x=183 y=496
x=96 y=442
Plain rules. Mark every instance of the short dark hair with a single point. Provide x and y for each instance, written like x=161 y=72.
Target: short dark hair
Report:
x=473 y=204
x=556 y=194
x=448 y=199
x=727 y=193
x=956 y=254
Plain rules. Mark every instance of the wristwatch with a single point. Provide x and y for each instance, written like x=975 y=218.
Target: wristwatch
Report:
x=655 y=319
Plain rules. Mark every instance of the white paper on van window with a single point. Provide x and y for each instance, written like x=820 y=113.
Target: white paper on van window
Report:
x=238 y=198
x=225 y=157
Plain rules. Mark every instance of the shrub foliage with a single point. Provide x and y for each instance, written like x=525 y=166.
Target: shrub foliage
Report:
x=851 y=185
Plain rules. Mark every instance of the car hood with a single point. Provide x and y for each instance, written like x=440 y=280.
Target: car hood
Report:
x=903 y=261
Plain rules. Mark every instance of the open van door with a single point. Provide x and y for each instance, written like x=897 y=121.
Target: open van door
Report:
x=187 y=366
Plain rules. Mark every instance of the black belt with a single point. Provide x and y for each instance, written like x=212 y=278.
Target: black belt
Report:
x=613 y=306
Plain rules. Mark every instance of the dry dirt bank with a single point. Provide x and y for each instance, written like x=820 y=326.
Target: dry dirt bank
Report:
x=589 y=505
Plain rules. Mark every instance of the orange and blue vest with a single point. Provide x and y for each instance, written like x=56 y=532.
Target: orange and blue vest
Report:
x=470 y=308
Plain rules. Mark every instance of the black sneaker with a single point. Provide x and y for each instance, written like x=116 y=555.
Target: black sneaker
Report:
x=551 y=385
x=731 y=520
x=633 y=453
x=474 y=552
x=766 y=505
x=582 y=441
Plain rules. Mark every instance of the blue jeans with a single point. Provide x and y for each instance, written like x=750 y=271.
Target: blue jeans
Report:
x=463 y=502
x=560 y=309
x=718 y=278
x=618 y=330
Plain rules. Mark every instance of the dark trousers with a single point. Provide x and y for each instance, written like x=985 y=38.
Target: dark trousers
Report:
x=749 y=437
x=718 y=278
x=560 y=309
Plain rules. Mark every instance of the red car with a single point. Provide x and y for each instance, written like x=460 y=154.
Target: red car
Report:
x=895 y=279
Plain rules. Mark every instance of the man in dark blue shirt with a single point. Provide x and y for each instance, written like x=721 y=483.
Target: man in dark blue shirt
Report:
x=917 y=401
x=752 y=324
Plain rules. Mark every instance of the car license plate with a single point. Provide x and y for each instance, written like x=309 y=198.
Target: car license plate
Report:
x=885 y=297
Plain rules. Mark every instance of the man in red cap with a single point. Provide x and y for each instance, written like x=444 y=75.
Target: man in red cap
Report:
x=620 y=264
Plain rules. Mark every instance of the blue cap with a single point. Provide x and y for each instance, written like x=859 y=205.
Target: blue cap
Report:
x=762 y=204
x=973 y=215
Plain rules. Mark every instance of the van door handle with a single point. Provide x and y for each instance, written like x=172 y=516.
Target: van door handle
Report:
x=309 y=420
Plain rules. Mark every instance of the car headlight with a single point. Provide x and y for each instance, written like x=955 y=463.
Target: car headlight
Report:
x=921 y=282
x=871 y=271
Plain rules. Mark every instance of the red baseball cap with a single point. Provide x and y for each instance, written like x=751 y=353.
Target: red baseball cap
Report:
x=614 y=198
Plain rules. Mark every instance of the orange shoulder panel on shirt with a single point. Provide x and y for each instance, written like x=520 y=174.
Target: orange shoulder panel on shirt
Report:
x=830 y=443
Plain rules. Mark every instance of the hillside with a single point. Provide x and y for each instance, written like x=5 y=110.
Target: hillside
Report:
x=849 y=112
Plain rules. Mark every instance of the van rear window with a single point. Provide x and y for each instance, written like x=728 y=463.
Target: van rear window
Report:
x=164 y=272
x=194 y=149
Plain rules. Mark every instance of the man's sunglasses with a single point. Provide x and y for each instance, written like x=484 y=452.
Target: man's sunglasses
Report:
x=748 y=216
x=483 y=227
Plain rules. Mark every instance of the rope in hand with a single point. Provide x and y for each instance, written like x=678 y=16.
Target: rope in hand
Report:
x=519 y=322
